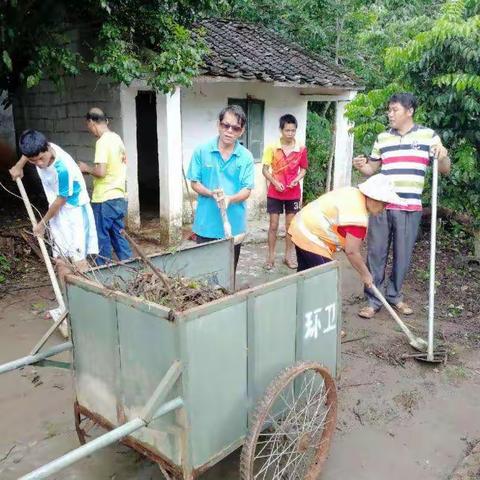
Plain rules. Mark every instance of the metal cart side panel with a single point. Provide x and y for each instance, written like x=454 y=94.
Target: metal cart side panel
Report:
x=215 y=379
x=147 y=351
x=212 y=262
x=229 y=350
x=95 y=337
x=319 y=316
x=271 y=335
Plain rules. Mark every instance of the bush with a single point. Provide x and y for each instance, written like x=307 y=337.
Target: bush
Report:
x=319 y=137
x=440 y=66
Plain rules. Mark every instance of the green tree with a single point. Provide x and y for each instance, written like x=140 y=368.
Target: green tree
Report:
x=319 y=137
x=374 y=27
x=352 y=33
x=127 y=39
x=327 y=27
x=441 y=67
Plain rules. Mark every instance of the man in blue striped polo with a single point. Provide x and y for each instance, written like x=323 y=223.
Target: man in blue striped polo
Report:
x=403 y=152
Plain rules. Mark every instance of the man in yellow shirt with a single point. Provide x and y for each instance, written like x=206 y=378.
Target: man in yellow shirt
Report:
x=109 y=177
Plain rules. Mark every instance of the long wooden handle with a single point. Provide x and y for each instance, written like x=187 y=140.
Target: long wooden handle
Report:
x=165 y=280
x=220 y=198
x=392 y=312
x=227 y=228
x=188 y=193
x=43 y=248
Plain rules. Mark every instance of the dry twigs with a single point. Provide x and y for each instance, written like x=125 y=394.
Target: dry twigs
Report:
x=176 y=293
x=184 y=293
x=165 y=280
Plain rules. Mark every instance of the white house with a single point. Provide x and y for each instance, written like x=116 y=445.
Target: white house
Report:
x=247 y=64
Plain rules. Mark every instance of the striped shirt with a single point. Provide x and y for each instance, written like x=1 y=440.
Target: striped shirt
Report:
x=405 y=159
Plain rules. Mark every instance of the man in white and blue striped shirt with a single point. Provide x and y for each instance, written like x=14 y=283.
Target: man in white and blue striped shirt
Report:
x=403 y=153
x=69 y=216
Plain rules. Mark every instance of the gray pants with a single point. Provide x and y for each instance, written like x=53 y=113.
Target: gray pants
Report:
x=399 y=229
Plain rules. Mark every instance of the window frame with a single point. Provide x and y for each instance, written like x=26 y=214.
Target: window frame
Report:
x=246 y=138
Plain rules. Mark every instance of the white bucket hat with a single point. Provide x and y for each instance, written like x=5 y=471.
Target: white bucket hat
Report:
x=379 y=187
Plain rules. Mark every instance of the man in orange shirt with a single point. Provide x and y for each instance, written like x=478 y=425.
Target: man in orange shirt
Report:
x=284 y=165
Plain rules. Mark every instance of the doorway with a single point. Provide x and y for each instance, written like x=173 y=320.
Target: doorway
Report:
x=147 y=151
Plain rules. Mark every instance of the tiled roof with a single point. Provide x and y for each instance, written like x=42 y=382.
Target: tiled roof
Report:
x=251 y=51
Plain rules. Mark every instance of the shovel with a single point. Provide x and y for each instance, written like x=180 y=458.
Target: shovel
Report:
x=433 y=242
x=439 y=356
x=416 y=342
x=58 y=312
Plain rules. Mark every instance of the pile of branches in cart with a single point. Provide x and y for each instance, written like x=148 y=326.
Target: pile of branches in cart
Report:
x=177 y=293
x=153 y=285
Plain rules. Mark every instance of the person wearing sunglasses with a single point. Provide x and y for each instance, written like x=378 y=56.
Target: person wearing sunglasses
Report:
x=222 y=163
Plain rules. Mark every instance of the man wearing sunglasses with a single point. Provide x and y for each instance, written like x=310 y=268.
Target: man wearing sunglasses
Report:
x=222 y=163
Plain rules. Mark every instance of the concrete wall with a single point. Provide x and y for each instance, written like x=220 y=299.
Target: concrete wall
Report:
x=7 y=138
x=7 y=131
x=169 y=138
x=201 y=104
x=59 y=114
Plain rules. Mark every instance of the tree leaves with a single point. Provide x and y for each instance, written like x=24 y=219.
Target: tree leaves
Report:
x=441 y=66
x=460 y=81
x=319 y=132
x=7 y=60
x=125 y=39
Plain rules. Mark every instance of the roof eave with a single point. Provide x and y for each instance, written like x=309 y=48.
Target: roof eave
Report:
x=316 y=88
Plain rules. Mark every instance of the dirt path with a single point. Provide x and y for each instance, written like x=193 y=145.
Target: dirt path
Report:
x=396 y=419
x=402 y=419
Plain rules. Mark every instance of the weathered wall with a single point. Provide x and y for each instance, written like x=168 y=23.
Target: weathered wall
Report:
x=202 y=103
x=7 y=137
x=7 y=132
x=60 y=114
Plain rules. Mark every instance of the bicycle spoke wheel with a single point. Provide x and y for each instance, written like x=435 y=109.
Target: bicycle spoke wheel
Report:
x=292 y=426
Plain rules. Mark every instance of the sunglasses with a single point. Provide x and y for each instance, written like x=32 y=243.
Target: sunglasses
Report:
x=227 y=126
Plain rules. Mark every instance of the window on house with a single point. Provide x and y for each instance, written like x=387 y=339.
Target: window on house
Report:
x=252 y=138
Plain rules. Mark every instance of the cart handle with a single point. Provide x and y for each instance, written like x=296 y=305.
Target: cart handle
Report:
x=100 y=442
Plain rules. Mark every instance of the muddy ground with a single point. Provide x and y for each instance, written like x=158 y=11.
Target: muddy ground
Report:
x=397 y=418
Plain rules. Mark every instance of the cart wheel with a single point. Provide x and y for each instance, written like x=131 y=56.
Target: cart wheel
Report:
x=292 y=426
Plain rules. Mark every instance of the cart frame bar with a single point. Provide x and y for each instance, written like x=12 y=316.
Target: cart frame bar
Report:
x=103 y=441
x=152 y=411
x=30 y=359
